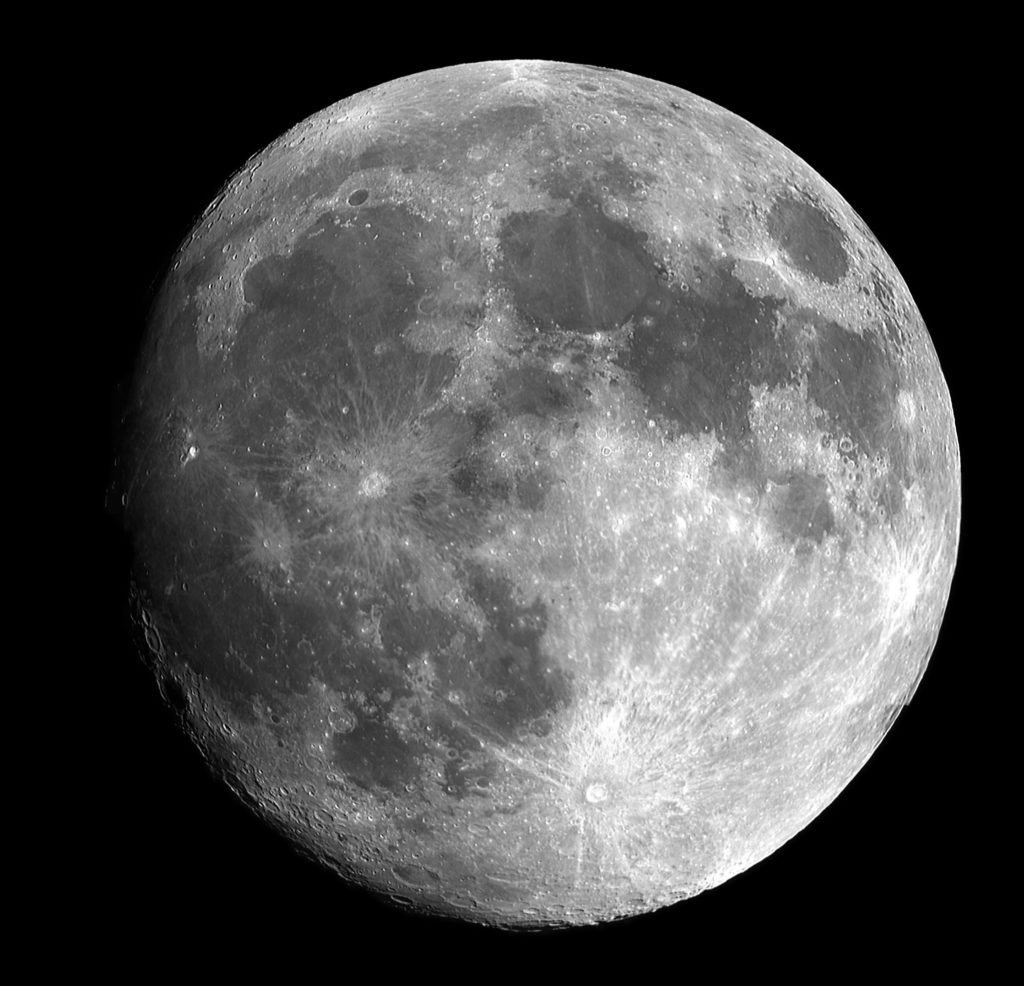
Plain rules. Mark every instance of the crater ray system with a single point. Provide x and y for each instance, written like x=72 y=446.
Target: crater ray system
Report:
x=543 y=489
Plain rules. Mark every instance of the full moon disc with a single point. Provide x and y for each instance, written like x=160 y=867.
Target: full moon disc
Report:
x=543 y=489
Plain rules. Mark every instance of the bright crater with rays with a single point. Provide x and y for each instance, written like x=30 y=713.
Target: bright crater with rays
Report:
x=544 y=491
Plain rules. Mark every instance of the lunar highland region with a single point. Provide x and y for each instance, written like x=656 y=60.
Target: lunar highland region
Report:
x=543 y=490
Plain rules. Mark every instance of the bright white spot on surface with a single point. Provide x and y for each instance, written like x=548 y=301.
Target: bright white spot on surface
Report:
x=373 y=485
x=610 y=727
x=596 y=793
x=907 y=407
x=902 y=588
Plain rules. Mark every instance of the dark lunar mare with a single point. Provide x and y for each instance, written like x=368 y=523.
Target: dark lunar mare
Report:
x=811 y=239
x=322 y=334
x=328 y=320
x=311 y=503
x=699 y=344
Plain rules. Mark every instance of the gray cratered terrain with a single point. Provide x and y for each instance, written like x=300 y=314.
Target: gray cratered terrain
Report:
x=544 y=491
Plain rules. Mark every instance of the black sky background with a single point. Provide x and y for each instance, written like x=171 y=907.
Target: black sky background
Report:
x=179 y=867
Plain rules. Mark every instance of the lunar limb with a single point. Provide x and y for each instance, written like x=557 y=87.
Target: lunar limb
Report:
x=544 y=490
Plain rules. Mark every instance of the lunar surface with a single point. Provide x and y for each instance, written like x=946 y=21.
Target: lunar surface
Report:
x=543 y=489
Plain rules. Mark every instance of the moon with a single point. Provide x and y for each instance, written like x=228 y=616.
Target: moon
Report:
x=543 y=489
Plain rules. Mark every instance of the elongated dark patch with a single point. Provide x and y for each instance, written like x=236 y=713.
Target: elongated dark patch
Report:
x=344 y=280
x=810 y=238
x=507 y=681
x=373 y=754
x=800 y=504
x=576 y=270
x=696 y=350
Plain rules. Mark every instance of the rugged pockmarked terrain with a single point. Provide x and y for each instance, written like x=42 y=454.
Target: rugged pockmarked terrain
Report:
x=544 y=491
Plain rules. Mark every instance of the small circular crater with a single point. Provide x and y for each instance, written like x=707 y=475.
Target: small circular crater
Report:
x=374 y=485
x=358 y=197
x=596 y=793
